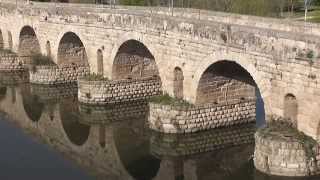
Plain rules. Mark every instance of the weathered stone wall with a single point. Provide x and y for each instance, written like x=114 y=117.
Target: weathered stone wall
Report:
x=113 y=112
x=52 y=75
x=173 y=145
x=11 y=62
x=104 y=92
x=284 y=158
x=172 y=119
x=54 y=93
x=280 y=55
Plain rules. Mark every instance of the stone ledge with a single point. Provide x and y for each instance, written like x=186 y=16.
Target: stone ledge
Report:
x=189 y=119
x=53 y=75
x=115 y=91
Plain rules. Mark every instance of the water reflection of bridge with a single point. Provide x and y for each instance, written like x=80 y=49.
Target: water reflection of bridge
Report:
x=111 y=146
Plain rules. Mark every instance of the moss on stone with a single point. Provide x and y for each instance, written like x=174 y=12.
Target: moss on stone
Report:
x=166 y=99
x=42 y=60
x=95 y=77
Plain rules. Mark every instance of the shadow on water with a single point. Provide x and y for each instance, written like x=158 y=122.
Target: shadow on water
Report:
x=77 y=133
x=31 y=103
x=220 y=154
x=133 y=148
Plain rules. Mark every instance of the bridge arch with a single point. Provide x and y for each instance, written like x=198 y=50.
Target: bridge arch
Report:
x=71 y=50
x=244 y=62
x=134 y=60
x=28 y=43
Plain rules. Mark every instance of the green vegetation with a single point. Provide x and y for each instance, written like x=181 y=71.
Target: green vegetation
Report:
x=9 y=51
x=168 y=100
x=42 y=60
x=284 y=131
x=95 y=77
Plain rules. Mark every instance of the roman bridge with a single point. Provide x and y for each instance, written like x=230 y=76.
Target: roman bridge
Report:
x=189 y=50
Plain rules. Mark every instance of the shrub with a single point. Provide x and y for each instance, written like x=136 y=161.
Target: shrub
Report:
x=95 y=77
x=42 y=60
x=166 y=99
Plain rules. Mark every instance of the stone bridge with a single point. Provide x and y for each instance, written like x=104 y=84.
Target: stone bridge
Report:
x=198 y=56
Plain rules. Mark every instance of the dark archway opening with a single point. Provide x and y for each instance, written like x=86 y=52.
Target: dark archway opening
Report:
x=134 y=60
x=290 y=113
x=28 y=44
x=48 y=49
x=10 y=43
x=100 y=62
x=1 y=40
x=178 y=83
x=71 y=50
x=77 y=133
x=226 y=82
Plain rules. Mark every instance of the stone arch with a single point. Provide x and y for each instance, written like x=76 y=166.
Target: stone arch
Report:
x=48 y=48
x=28 y=44
x=71 y=50
x=134 y=60
x=247 y=63
x=1 y=40
x=178 y=83
x=290 y=109
x=227 y=82
x=76 y=132
x=10 y=43
x=100 y=68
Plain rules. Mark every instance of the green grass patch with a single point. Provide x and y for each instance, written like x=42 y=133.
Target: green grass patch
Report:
x=42 y=60
x=8 y=51
x=168 y=100
x=95 y=77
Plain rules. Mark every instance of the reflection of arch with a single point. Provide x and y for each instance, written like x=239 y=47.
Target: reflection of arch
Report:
x=178 y=83
x=102 y=136
x=71 y=50
x=134 y=60
x=31 y=103
x=290 y=112
x=133 y=149
x=10 y=43
x=100 y=62
x=227 y=82
x=77 y=133
x=48 y=49
x=3 y=92
x=1 y=40
x=28 y=43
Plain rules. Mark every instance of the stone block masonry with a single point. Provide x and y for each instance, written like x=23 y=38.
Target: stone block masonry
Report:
x=52 y=75
x=54 y=93
x=10 y=62
x=114 y=91
x=173 y=119
x=111 y=113
x=173 y=145
x=280 y=157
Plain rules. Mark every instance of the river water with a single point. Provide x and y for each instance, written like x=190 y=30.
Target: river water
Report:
x=47 y=134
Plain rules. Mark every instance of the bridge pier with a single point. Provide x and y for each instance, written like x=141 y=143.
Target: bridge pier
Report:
x=115 y=91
